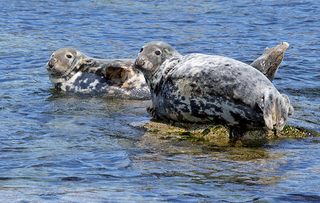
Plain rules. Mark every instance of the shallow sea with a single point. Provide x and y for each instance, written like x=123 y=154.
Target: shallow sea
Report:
x=66 y=147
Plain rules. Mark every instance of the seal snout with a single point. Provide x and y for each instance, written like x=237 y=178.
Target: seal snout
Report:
x=139 y=62
x=51 y=63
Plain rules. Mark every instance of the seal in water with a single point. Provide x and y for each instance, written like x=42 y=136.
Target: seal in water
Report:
x=210 y=89
x=70 y=70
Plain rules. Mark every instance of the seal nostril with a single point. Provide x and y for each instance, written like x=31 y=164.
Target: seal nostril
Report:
x=139 y=62
x=51 y=63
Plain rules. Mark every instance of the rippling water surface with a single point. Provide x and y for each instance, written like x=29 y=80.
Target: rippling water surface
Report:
x=57 y=146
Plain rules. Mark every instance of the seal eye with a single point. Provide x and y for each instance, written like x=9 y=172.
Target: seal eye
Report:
x=141 y=50
x=157 y=53
x=68 y=56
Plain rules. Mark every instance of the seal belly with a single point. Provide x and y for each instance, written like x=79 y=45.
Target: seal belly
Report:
x=86 y=82
x=91 y=83
x=209 y=109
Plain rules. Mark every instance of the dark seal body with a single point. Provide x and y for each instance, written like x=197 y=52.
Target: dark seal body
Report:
x=210 y=89
x=72 y=71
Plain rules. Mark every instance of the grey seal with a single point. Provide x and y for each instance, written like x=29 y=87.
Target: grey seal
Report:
x=213 y=89
x=73 y=71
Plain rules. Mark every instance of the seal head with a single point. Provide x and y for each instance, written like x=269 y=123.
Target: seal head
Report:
x=63 y=62
x=153 y=56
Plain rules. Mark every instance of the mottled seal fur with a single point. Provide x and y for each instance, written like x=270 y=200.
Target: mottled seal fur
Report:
x=71 y=70
x=210 y=89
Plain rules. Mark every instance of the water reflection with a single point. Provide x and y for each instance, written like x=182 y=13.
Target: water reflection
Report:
x=194 y=162
x=68 y=147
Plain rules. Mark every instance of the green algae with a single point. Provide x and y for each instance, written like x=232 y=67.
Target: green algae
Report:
x=188 y=131
x=185 y=138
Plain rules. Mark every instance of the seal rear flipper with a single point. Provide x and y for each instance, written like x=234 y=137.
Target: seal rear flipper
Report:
x=275 y=110
x=269 y=62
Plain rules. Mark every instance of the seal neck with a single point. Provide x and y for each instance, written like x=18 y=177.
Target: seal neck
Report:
x=76 y=65
x=157 y=78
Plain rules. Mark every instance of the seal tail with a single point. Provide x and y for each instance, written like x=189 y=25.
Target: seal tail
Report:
x=276 y=108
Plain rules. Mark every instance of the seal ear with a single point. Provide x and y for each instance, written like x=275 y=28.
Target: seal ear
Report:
x=275 y=110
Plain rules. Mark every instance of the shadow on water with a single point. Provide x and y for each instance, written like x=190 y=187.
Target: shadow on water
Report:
x=98 y=111
x=215 y=164
x=223 y=148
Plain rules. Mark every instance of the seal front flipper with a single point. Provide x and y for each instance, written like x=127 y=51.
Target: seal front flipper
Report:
x=276 y=109
x=151 y=111
x=269 y=62
x=236 y=133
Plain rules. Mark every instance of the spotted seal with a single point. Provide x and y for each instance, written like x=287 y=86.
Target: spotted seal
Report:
x=204 y=88
x=71 y=70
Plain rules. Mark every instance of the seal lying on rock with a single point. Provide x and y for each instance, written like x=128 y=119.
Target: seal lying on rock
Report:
x=210 y=89
x=71 y=70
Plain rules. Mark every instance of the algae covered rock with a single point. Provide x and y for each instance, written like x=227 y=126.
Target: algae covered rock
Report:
x=191 y=131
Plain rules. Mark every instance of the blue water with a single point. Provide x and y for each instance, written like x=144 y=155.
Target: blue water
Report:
x=66 y=147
